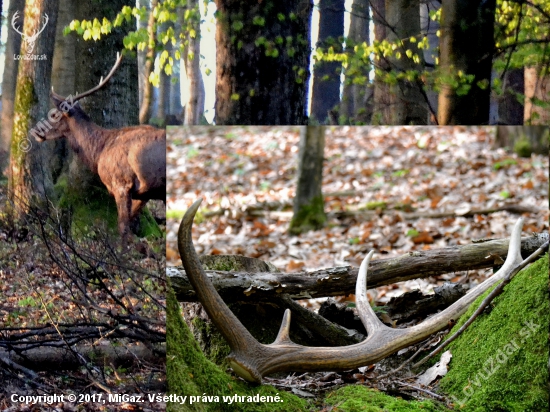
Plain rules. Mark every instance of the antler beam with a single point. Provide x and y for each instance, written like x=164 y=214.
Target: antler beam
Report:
x=102 y=82
x=252 y=360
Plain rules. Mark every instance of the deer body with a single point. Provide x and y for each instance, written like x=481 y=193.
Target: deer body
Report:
x=131 y=161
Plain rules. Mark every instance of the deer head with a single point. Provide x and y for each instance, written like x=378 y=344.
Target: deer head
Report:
x=252 y=360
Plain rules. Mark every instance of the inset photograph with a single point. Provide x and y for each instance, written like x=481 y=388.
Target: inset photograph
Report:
x=82 y=213
x=318 y=267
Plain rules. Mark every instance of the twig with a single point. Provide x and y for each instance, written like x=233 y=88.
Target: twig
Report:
x=494 y=293
x=435 y=395
x=422 y=348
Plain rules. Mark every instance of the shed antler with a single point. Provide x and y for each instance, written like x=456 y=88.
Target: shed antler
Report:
x=252 y=360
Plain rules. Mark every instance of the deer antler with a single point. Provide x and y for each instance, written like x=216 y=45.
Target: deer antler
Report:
x=252 y=360
x=102 y=82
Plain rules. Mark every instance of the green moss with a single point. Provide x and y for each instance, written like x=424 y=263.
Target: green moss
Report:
x=94 y=212
x=148 y=227
x=189 y=373
x=354 y=398
x=374 y=206
x=213 y=345
x=97 y=210
x=522 y=147
x=309 y=217
x=500 y=363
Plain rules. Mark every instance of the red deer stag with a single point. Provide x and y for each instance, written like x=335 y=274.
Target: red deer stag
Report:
x=252 y=360
x=131 y=161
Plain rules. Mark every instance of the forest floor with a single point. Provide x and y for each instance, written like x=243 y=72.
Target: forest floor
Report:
x=391 y=189
x=48 y=282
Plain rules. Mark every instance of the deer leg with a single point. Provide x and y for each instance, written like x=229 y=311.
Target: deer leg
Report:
x=135 y=209
x=124 y=205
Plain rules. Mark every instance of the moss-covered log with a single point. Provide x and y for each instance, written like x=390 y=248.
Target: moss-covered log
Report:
x=500 y=363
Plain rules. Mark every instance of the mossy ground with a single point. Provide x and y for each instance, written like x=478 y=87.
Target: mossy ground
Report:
x=355 y=398
x=97 y=211
x=189 y=373
x=500 y=363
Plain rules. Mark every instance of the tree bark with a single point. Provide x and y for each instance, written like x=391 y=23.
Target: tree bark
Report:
x=356 y=104
x=380 y=113
x=339 y=281
x=13 y=46
x=465 y=24
x=262 y=65
x=63 y=81
x=30 y=180
x=510 y=107
x=537 y=95
x=194 y=107
x=325 y=95
x=408 y=103
x=308 y=208
x=145 y=107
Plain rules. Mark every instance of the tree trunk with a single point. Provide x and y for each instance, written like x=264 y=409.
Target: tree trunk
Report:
x=408 y=103
x=262 y=65
x=141 y=54
x=13 y=47
x=175 y=109
x=537 y=95
x=524 y=140
x=63 y=80
x=431 y=29
x=145 y=107
x=194 y=107
x=380 y=113
x=163 y=107
x=308 y=209
x=510 y=106
x=29 y=175
x=466 y=49
x=326 y=75
x=356 y=104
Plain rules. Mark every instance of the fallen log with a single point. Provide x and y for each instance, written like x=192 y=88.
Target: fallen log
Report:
x=47 y=358
x=339 y=281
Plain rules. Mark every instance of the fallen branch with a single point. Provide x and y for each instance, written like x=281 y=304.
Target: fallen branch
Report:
x=61 y=358
x=278 y=210
x=339 y=281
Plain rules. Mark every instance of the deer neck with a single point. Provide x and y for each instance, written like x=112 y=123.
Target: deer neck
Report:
x=88 y=141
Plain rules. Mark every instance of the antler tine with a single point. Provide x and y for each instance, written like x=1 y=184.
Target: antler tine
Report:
x=102 y=82
x=55 y=95
x=252 y=360
x=366 y=314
